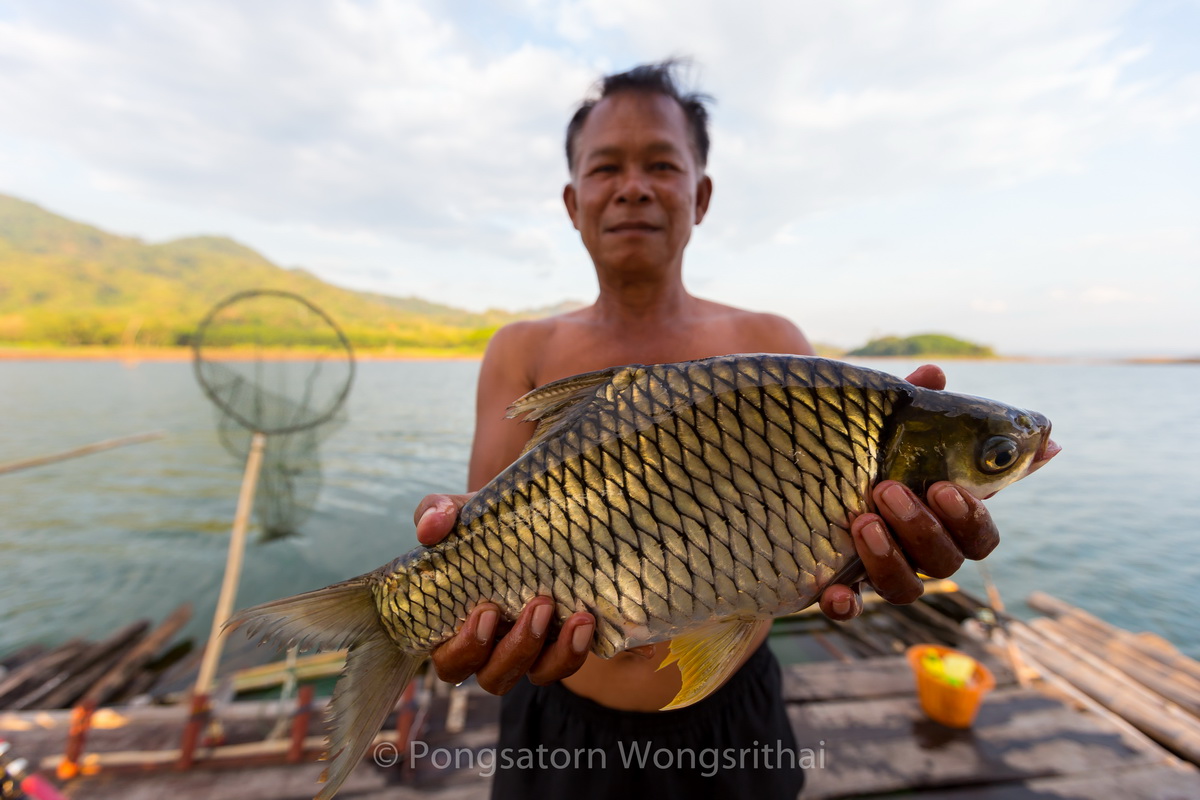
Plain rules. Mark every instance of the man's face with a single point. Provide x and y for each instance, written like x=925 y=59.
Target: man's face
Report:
x=636 y=190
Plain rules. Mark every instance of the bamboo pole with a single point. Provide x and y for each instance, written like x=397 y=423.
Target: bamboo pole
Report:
x=116 y=676
x=26 y=677
x=1069 y=691
x=1175 y=685
x=233 y=566
x=86 y=669
x=1014 y=652
x=1149 y=645
x=1159 y=718
x=307 y=668
x=1177 y=668
x=107 y=444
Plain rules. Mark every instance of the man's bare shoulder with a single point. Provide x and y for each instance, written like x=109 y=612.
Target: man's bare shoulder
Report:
x=531 y=332
x=523 y=344
x=757 y=330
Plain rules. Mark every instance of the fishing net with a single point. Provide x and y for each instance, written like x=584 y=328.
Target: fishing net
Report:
x=275 y=364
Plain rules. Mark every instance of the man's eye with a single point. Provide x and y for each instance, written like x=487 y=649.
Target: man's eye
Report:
x=663 y=165
x=604 y=168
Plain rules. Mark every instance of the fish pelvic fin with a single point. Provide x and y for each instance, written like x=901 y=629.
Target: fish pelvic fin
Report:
x=376 y=673
x=708 y=657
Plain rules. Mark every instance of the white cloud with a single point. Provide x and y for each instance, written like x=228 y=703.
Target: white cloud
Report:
x=346 y=115
x=402 y=130
x=989 y=306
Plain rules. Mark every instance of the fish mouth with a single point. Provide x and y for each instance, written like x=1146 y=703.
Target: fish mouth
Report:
x=1046 y=451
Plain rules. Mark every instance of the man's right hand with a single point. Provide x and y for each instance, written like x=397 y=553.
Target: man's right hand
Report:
x=488 y=646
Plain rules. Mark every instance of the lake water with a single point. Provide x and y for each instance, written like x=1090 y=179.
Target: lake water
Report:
x=1112 y=525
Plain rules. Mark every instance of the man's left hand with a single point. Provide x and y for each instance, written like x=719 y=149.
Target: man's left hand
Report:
x=933 y=535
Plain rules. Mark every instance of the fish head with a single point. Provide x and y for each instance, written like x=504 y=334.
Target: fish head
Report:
x=975 y=443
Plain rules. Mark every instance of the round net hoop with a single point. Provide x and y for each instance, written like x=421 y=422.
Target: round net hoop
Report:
x=273 y=388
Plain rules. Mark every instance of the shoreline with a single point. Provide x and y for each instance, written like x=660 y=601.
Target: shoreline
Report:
x=177 y=354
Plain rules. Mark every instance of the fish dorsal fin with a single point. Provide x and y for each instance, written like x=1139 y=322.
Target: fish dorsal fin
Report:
x=707 y=657
x=551 y=405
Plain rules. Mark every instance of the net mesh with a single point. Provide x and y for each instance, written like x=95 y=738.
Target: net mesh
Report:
x=274 y=363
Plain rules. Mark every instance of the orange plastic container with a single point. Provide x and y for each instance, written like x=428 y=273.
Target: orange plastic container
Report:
x=953 y=706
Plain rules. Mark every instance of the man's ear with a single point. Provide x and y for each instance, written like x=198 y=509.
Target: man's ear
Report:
x=703 y=194
x=569 y=202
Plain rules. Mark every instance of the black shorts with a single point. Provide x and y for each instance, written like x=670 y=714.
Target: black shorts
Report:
x=735 y=743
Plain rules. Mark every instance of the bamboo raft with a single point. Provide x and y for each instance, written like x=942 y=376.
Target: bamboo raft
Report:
x=1081 y=710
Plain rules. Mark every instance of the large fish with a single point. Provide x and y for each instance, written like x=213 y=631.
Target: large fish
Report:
x=684 y=501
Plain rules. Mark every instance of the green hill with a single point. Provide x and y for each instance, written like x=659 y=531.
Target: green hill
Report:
x=67 y=283
x=923 y=344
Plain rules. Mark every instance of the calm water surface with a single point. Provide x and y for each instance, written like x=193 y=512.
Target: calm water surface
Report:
x=1112 y=525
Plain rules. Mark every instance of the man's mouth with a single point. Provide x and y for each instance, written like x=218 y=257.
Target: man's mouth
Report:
x=623 y=227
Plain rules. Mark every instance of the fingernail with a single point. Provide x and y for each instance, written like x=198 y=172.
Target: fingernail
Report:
x=426 y=513
x=486 y=626
x=876 y=539
x=951 y=503
x=900 y=502
x=541 y=621
x=582 y=637
x=841 y=607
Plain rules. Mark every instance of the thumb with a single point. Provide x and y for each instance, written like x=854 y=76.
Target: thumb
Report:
x=435 y=516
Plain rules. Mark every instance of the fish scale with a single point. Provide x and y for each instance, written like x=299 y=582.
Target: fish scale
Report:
x=677 y=501
x=744 y=442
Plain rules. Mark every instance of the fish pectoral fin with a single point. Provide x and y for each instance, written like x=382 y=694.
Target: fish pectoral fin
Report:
x=707 y=657
x=551 y=405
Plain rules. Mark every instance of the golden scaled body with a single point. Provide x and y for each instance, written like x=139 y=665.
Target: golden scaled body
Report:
x=671 y=496
x=684 y=501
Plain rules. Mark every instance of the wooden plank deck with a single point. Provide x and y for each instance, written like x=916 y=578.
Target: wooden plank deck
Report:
x=861 y=718
x=858 y=715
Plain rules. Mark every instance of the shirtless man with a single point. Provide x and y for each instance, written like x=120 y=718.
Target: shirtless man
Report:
x=637 y=187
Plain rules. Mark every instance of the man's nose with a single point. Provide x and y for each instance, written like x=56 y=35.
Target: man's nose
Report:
x=634 y=187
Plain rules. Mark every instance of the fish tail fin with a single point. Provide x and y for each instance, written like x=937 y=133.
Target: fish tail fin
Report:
x=377 y=670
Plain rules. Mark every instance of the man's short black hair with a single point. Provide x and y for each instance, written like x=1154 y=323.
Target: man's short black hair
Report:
x=654 y=79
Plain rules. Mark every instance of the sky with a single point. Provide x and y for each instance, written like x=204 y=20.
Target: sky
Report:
x=1024 y=175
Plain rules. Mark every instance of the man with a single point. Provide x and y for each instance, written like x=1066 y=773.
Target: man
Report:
x=638 y=186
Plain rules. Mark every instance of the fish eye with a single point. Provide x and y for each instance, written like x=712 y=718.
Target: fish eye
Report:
x=998 y=454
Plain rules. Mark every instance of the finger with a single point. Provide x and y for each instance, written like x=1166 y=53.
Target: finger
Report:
x=567 y=653
x=519 y=649
x=917 y=530
x=965 y=518
x=928 y=376
x=435 y=516
x=841 y=602
x=463 y=655
x=888 y=570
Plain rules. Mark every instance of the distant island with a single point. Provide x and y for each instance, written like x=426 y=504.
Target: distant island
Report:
x=923 y=344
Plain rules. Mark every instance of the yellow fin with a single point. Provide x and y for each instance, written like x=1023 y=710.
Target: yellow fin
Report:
x=707 y=657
